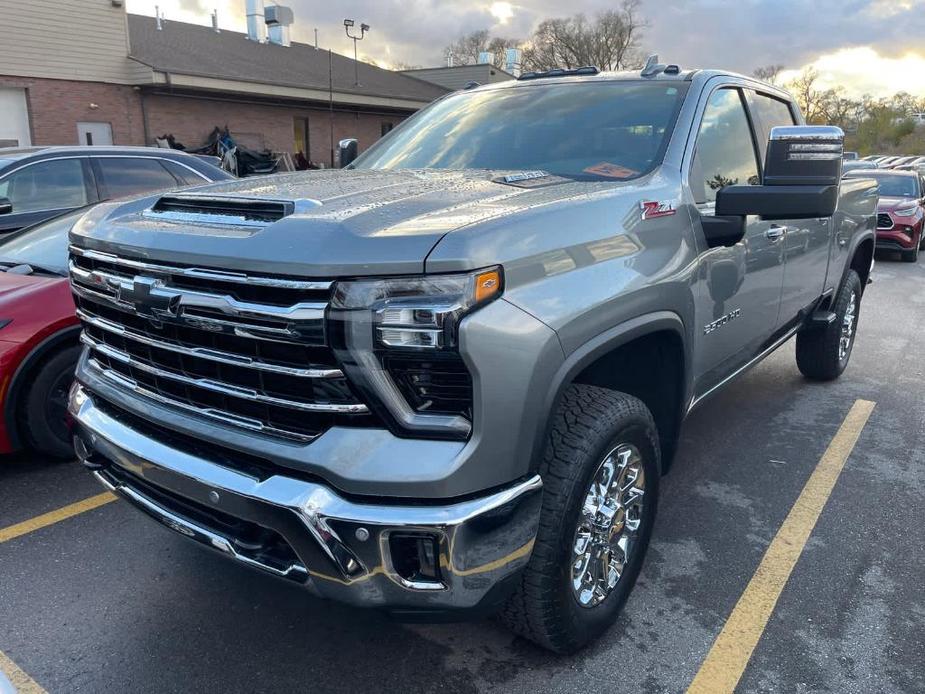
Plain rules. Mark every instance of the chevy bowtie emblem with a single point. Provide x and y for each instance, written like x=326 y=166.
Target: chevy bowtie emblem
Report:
x=148 y=297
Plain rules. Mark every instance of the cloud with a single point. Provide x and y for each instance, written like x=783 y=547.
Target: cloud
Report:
x=738 y=35
x=863 y=71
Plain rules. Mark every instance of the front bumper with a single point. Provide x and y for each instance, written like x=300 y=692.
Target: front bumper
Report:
x=896 y=239
x=301 y=530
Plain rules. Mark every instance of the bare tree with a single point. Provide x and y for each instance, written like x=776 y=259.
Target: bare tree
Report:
x=768 y=73
x=806 y=91
x=608 y=41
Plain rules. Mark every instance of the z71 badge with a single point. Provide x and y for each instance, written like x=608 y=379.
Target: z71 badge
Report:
x=656 y=208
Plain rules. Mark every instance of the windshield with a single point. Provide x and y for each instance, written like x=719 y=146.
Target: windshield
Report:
x=588 y=130
x=896 y=186
x=43 y=245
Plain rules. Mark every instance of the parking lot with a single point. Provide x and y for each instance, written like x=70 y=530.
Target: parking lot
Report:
x=105 y=601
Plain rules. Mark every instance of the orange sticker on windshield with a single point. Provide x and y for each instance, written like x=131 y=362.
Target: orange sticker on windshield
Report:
x=611 y=170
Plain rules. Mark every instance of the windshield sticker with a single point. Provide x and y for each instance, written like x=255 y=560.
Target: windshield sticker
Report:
x=611 y=170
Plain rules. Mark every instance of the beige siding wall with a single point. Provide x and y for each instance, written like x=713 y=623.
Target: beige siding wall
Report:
x=66 y=39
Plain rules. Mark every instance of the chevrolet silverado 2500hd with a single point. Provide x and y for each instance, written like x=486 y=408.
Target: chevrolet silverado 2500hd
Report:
x=448 y=378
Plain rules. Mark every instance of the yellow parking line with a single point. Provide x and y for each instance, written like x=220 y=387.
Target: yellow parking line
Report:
x=28 y=526
x=733 y=648
x=21 y=682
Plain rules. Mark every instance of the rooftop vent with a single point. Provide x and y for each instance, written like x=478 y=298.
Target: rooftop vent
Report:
x=256 y=24
x=278 y=19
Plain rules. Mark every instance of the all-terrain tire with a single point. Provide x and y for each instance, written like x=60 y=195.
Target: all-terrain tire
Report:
x=819 y=353
x=590 y=423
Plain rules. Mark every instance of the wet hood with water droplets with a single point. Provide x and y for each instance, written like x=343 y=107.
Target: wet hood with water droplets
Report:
x=344 y=223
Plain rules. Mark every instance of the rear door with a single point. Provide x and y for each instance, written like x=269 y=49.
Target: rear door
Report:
x=42 y=189
x=122 y=176
x=805 y=243
x=738 y=299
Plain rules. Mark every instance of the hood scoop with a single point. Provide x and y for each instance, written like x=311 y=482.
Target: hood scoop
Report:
x=211 y=209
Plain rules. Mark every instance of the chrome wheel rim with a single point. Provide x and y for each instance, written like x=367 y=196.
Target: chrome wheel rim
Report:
x=847 y=327
x=608 y=525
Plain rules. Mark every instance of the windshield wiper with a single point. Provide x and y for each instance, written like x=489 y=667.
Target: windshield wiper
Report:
x=14 y=267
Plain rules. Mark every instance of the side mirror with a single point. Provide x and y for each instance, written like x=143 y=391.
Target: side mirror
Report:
x=801 y=174
x=804 y=155
x=6 y=207
x=348 y=151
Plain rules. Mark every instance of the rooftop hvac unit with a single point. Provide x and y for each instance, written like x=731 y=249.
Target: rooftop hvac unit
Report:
x=279 y=18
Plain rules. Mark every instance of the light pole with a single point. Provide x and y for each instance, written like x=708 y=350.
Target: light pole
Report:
x=348 y=24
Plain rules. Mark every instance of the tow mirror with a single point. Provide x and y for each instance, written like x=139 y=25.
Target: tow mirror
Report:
x=348 y=151
x=804 y=155
x=6 y=207
x=801 y=174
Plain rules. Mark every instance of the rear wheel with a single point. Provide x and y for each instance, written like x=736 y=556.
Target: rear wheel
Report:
x=823 y=353
x=600 y=474
x=45 y=405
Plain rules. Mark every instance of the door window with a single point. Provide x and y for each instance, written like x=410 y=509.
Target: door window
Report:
x=725 y=153
x=122 y=176
x=46 y=185
x=182 y=174
x=772 y=112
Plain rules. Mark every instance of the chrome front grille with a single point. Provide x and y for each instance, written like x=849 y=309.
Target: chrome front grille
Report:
x=884 y=221
x=247 y=351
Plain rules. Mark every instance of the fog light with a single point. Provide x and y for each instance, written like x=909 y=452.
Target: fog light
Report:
x=415 y=557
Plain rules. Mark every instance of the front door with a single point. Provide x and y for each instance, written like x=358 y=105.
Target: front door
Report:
x=94 y=134
x=805 y=242
x=738 y=297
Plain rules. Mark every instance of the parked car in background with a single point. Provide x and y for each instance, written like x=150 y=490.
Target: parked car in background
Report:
x=900 y=213
x=38 y=183
x=886 y=161
x=855 y=164
x=38 y=337
x=901 y=161
x=850 y=156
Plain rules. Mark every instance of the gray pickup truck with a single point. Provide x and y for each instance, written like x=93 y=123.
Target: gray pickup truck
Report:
x=447 y=379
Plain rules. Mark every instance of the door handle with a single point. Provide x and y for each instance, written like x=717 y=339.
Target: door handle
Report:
x=775 y=231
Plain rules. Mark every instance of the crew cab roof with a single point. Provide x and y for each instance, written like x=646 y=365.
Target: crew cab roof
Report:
x=23 y=152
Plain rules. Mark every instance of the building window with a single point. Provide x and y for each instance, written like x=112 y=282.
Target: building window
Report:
x=300 y=130
x=386 y=128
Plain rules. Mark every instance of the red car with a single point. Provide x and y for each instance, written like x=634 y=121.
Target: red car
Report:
x=901 y=214
x=38 y=338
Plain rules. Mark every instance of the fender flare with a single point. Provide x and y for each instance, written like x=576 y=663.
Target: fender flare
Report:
x=852 y=251
x=13 y=394
x=609 y=340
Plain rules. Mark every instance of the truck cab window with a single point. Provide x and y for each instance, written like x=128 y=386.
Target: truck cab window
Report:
x=725 y=154
x=771 y=112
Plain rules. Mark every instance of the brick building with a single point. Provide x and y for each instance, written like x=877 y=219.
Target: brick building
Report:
x=83 y=71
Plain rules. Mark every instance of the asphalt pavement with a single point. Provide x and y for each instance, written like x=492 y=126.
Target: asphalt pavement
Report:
x=106 y=601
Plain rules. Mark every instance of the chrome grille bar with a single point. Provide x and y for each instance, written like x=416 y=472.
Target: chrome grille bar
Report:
x=219 y=387
x=211 y=413
x=199 y=273
x=205 y=352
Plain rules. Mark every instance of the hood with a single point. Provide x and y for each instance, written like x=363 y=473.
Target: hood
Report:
x=888 y=204
x=15 y=288
x=339 y=222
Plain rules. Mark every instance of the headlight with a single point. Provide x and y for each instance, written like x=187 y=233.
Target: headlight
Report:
x=397 y=340
x=906 y=211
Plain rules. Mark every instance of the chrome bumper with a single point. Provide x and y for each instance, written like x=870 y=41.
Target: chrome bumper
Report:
x=304 y=531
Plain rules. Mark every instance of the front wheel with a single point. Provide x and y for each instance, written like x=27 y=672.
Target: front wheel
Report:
x=911 y=256
x=823 y=353
x=600 y=476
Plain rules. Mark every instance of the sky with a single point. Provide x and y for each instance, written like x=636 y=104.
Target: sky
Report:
x=871 y=47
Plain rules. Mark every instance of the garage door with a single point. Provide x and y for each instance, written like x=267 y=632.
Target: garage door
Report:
x=14 y=118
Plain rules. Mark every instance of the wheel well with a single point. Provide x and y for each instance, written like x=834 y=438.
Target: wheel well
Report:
x=860 y=262
x=650 y=368
x=37 y=358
